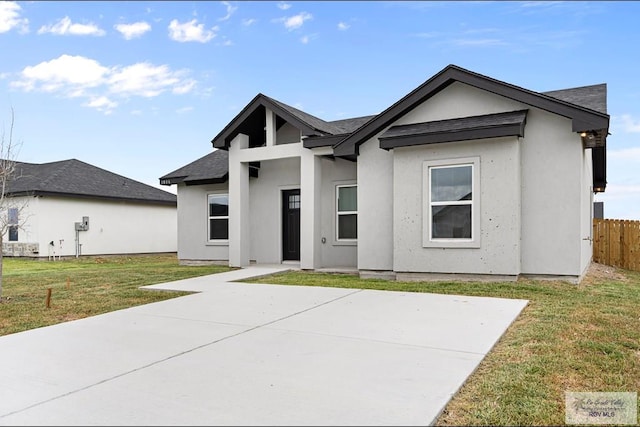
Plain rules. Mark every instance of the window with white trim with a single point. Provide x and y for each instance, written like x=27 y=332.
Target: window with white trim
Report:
x=218 y=205
x=13 y=224
x=346 y=212
x=451 y=203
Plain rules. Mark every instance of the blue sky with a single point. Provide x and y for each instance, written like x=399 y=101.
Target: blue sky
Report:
x=141 y=88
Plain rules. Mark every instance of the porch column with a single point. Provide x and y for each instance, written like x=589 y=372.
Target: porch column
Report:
x=271 y=127
x=310 y=185
x=238 y=204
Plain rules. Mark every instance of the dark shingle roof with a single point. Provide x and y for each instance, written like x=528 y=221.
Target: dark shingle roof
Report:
x=350 y=125
x=593 y=97
x=583 y=119
x=586 y=106
x=312 y=121
x=466 y=128
x=73 y=178
x=209 y=169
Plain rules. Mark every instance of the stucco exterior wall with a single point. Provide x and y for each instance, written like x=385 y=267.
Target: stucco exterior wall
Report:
x=375 y=207
x=586 y=211
x=552 y=167
x=543 y=177
x=28 y=243
x=333 y=252
x=498 y=203
x=287 y=134
x=114 y=227
x=265 y=207
x=265 y=210
x=193 y=243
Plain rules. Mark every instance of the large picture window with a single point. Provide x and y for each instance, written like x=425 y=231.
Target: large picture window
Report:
x=451 y=203
x=347 y=212
x=218 y=216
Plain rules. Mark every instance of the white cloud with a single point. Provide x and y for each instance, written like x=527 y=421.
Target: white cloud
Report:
x=296 y=21
x=625 y=154
x=342 y=26
x=73 y=74
x=540 y=3
x=102 y=103
x=146 y=80
x=621 y=201
x=283 y=5
x=478 y=42
x=628 y=123
x=131 y=31
x=307 y=38
x=429 y=35
x=184 y=87
x=66 y=27
x=80 y=77
x=250 y=21
x=622 y=189
x=10 y=17
x=184 y=110
x=230 y=10
x=190 y=31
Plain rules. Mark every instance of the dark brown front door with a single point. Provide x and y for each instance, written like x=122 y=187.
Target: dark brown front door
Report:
x=291 y=225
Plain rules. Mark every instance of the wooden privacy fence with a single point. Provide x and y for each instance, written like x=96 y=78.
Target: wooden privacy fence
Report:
x=616 y=242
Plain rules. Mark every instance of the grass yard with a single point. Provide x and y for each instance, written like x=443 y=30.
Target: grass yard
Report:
x=84 y=287
x=568 y=338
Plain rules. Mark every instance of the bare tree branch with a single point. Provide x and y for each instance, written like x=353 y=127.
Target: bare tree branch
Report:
x=9 y=150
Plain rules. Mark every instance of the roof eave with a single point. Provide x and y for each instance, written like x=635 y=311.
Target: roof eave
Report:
x=478 y=133
x=205 y=181
x=583 y=119
x=222 y=139
x=172 y=180
x=39 y=193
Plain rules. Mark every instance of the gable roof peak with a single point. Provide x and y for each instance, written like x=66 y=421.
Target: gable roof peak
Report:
x=308 y=124
x=583 y=118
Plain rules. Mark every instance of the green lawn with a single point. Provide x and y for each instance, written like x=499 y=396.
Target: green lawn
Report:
x=84 y=287
x=569 y=337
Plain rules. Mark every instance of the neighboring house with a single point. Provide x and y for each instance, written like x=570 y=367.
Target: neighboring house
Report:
x=464 y=177
x=71 y=208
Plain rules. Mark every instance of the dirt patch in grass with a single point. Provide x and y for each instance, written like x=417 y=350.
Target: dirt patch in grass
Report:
x=599 y=273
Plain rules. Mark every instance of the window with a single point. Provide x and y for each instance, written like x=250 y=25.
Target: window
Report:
x=347 y=212
x=218 y=216
x=451 y=208
x=294 y=201
x=13 y=224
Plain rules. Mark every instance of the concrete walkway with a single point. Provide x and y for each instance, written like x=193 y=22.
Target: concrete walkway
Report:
x=250 y=354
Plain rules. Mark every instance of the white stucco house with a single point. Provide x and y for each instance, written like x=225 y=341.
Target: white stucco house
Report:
x=464 y=177
x=71 y=208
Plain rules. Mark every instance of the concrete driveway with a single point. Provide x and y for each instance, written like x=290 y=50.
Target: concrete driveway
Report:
x=248 y=354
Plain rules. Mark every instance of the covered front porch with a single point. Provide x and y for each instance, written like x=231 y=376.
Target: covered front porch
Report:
x=285 y=211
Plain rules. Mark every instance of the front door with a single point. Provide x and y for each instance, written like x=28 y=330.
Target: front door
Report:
x=291 y=225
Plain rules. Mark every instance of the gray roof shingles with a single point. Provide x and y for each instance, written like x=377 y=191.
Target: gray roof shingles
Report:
x=210 y=168
x=593 y=97
x=214 y=166
x=74 y=178
x=453 y=125
x=312 y=121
